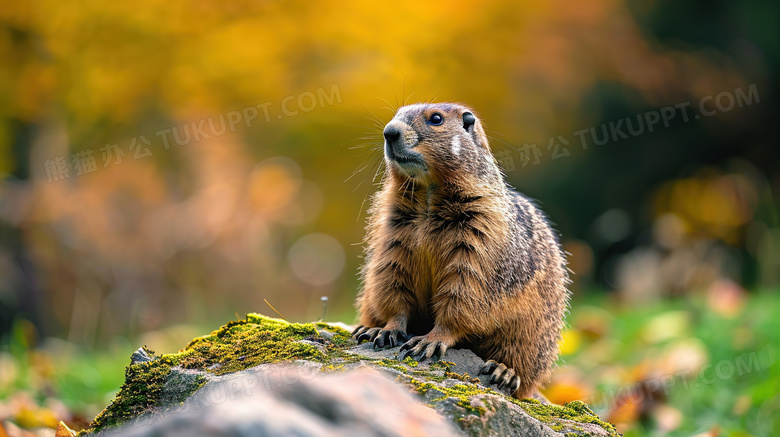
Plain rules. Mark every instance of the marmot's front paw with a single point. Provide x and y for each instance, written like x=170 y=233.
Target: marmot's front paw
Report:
x=389 y=338
x=421 y=348
x=503 y=376
x=381 y=337
x=364 y=333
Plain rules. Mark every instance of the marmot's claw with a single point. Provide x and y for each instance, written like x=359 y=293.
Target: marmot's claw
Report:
x=420 y=349
x=388 y=338
x=406 y=348
x=502 y=376
x=368 y=335
x=359 y=330
x=488 y=367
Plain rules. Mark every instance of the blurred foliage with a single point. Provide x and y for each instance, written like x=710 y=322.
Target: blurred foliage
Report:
x=159 y=210
x=693 y=366
x=688 y=366
x=221 y=154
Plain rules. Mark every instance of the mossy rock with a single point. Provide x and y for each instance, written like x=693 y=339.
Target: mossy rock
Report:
x=170 y=386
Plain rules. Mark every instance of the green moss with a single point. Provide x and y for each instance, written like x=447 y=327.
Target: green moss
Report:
x=462 y=377
x=341 y=337
x=391 y=364
x=332 y=368
x=552 y=415
x=409 y=361
x=236 y=346
x=421 y=387
x=244 y=344
x=463 y=394
x=140 y=392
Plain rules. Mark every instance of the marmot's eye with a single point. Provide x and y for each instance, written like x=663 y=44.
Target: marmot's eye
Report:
x=436 y=119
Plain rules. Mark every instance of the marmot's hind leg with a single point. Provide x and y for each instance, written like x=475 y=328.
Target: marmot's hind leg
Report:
x=504 y=377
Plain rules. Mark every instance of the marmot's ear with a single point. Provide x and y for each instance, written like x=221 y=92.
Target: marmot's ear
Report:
x=468 y=121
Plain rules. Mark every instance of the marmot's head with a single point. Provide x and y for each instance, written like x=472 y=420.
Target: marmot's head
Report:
x=438 y=143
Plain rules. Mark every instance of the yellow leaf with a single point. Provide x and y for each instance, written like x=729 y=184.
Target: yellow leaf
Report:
x=570 y=341
x=64 y=431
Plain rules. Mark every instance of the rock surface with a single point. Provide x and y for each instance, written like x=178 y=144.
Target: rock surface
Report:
x=277 y=400
x=323 y=385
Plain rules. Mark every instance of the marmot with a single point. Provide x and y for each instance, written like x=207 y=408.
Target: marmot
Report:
x=457 y=257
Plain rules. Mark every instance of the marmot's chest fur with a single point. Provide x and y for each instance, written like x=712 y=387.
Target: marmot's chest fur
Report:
x=455 y=256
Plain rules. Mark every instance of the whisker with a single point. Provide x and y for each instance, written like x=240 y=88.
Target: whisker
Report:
x=492 y=138
x=363 y=165
x=376 y=118
x=376 y=167
x=403 y=89
x=360 y=211
x=363 y=146
x=379 y=169
x=376 y=139
x=390 y=107
x=371 y=129
x=408 y=98
x=437 y=94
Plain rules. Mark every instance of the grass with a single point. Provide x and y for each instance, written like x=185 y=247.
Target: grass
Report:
x=680 y=368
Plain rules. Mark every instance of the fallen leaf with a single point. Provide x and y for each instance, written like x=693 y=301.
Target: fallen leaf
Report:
x=64 y=431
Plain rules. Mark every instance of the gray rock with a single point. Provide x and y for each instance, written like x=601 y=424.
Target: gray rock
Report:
x=349 y=391
x=181 y=383
x=140 y=356
x=499 y=416
x=278 y=400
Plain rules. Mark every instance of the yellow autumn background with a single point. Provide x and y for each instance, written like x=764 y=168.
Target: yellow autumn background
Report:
x=165 y=166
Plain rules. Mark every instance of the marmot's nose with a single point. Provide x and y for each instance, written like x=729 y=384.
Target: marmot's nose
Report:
x=392 y=133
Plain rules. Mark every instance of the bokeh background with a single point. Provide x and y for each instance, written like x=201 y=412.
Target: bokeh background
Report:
x=167 y=167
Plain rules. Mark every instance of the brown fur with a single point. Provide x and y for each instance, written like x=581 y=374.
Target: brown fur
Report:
x=454 y=254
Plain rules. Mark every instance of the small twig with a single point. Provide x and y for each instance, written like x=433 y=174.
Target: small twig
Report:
x=277 y=312
x=324 y=300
